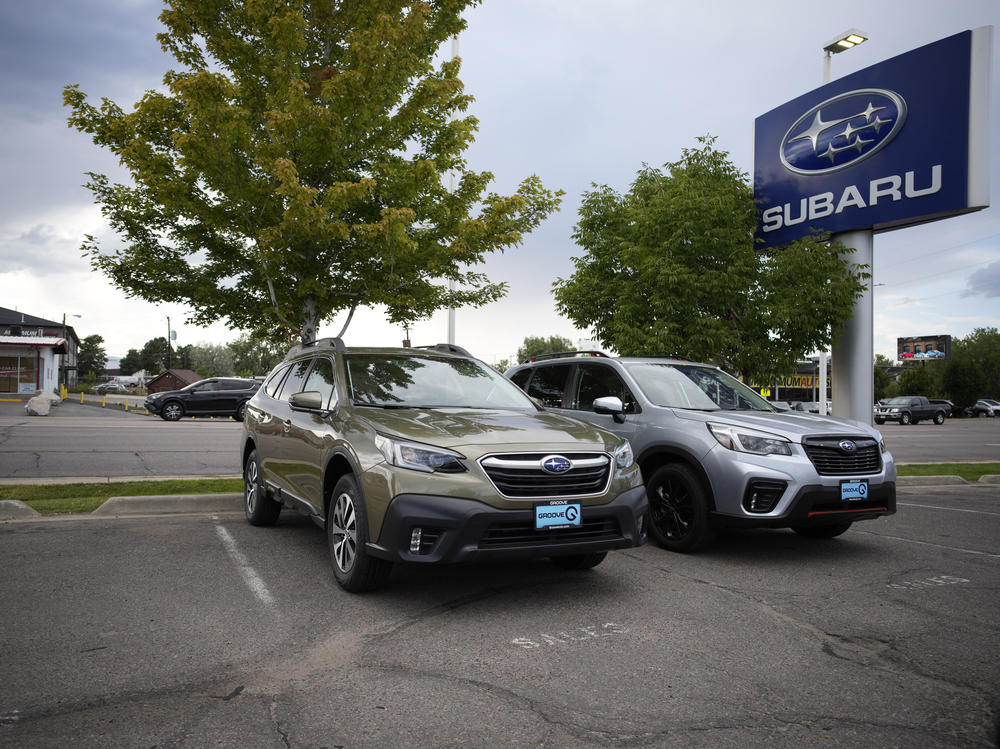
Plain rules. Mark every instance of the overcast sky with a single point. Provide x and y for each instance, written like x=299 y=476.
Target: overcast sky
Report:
x=577 y=91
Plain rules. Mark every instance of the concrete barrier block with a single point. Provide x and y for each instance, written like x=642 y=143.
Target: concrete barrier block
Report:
x=14 y=509
x=171 y=504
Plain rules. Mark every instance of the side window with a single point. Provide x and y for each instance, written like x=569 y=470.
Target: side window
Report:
x=521 y=378
x=274 y=381
x=293 y=382
x=597 y=381
x=321 y=379
x=207 y=386
x=549 y=384
x=236 y=385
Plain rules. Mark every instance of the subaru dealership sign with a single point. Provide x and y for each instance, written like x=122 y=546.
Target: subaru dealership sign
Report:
x=898 y=143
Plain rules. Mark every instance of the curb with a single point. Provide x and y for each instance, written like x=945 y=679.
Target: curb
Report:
x=14 y=509
x=167 y=504
x=934 y=481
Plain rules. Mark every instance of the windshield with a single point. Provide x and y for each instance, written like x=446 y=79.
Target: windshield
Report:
x=700 y=388
x=416 y=381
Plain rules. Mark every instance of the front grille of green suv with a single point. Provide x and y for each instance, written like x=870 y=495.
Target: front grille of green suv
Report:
x=521 y=475
x=511 y=535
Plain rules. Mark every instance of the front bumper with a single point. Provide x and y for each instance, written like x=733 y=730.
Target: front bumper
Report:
x=153 y=406
x=887 y=416
x=822 y=505
x=464 y=530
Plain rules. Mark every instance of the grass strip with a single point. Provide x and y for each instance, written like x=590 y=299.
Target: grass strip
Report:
x=63 y=498
x=968 y=471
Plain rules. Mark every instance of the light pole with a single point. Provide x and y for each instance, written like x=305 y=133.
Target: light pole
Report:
x=853 y=384
x=65 y=371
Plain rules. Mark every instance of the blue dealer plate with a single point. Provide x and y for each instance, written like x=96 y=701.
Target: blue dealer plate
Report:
x=854 y=490
x=557 y=515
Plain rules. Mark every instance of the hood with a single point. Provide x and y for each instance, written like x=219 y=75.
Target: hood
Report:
x=793 y=425
x=454 y=427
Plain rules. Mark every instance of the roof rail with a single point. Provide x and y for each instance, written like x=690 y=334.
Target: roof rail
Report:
x=675 y=357
x=448 y=348
x=335 y=343
x=563 y=354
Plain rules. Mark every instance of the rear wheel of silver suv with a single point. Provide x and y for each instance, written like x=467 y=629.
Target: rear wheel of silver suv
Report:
x=354 y=568
x=678 y=509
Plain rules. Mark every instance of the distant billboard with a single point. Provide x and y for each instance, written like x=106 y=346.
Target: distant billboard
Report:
x=898 y=143
x=923 y=348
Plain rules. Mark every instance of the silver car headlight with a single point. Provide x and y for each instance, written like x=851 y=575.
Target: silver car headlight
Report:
x=624 y=457
x=749 y=440
x=419 y=457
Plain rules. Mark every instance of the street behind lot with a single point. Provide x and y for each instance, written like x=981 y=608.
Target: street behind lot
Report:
x=202 y=630
x=86 y=440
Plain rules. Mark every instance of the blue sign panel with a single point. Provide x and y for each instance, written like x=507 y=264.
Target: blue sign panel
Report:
x=885 y=147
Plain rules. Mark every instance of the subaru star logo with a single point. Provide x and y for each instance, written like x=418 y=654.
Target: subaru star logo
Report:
x=842 y=131
x=556 y=464
x=848 y=446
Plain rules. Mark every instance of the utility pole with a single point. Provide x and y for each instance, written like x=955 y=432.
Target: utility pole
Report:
x=168 y=343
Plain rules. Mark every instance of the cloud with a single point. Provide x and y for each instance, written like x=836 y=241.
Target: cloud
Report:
x=984 y=282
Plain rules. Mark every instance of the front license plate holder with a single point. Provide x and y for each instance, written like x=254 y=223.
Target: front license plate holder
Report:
x=854 y=490
x=555 y=515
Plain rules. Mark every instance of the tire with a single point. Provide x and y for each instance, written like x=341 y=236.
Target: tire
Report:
x=904 y=418
x=678 y=509
x=579 y=561
x=981 y=414
x=355 y=570
x=880 y=421
x=172 y=411
x=822 y=531
x=258 y=506
x=939 y=418
x=241 y=411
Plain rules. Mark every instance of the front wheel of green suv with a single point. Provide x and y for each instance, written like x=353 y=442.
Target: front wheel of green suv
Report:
x=678 y=509
x=354 y=568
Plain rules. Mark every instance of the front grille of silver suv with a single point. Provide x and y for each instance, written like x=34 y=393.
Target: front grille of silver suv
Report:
x=832 y=456
x=522 y=476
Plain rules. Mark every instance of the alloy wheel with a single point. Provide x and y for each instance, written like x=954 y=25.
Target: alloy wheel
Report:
x=345 y=532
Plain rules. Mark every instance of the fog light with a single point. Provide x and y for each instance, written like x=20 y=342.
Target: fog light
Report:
x=415 y=540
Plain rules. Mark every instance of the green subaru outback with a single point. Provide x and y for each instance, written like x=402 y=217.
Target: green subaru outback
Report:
x=428 y=455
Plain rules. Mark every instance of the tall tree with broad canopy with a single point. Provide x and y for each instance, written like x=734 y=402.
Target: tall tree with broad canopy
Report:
x=91 y=358
x=292 y=167
x=671 y=268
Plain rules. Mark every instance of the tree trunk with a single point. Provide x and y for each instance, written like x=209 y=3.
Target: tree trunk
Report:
x=309 y=320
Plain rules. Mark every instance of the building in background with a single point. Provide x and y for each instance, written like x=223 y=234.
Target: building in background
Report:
x=36 y=355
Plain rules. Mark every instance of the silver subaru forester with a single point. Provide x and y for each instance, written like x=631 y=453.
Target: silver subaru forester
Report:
x=713 y=453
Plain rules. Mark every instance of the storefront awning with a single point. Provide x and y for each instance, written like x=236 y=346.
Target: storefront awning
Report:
x=59 y=344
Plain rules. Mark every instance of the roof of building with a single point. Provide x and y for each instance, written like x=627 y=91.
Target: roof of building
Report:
x=15 y=317
x=184 y=375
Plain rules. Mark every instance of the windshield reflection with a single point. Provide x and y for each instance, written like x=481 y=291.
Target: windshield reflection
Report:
x=698 y=388
x=415 y=381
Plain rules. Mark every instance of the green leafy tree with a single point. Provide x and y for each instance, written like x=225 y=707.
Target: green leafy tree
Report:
x=212 y=360
x=974 y=369
x=536 y=346
x=256 y=356
x=671 y=267
x=131 y=362
x=91 y=358
x=918 y=379
x=153 y=356
x=883 y=381
x=292 y=167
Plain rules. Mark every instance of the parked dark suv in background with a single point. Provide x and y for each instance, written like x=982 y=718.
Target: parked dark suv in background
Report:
x=430 y=456
x=216 y=396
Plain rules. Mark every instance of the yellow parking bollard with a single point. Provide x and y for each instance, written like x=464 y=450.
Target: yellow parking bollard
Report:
x=81 y=399
x=126 y=404
x=104 y=400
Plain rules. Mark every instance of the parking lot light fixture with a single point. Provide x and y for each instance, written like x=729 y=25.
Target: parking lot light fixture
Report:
x=842 y=42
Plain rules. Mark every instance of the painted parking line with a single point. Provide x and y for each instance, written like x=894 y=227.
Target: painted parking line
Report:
x=936 y=546
x=948 y=509
x=250 y=576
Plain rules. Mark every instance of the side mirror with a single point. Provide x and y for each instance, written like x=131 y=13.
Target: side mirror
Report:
x=611 y=405
x=309 y=400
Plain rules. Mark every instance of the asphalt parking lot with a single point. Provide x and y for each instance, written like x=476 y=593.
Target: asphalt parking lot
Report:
x=197 y=629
